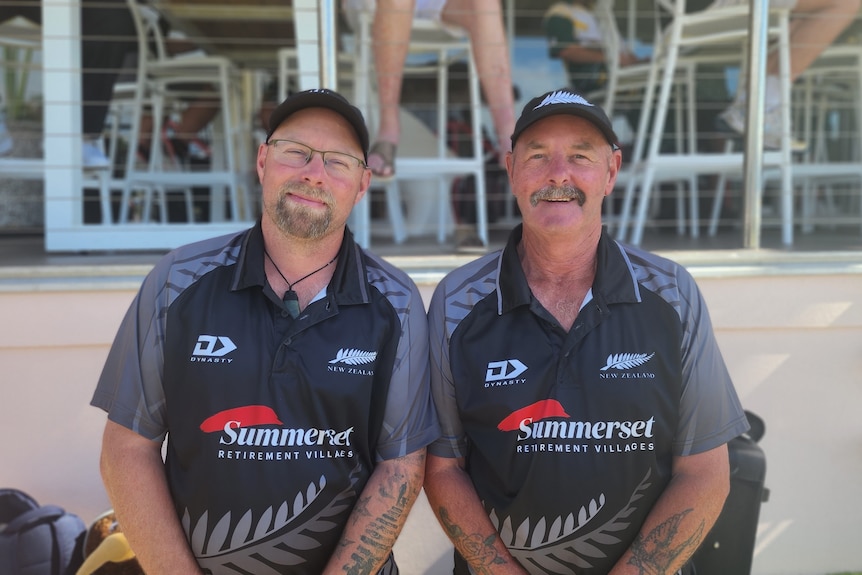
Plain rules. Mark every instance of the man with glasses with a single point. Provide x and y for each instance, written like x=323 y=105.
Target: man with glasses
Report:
x=288 y=369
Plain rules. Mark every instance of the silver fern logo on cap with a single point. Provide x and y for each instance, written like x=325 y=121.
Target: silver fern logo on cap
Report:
x=563 y=97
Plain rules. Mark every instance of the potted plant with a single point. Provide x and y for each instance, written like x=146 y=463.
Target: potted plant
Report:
x=21 y=199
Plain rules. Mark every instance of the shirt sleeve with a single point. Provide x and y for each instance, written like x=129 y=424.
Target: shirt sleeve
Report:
x=710 y=411
x=409 y=420
x=452 y=441
x=130 y=386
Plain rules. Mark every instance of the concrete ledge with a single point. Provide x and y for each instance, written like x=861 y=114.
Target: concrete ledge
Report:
x=428 y=270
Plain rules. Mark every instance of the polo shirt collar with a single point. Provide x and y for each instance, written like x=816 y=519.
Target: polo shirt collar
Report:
x=615 y=280
x=348 y=284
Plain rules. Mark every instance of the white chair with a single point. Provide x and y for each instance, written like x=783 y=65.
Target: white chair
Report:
x=628 y=84
x=163 y=81
x=831 y=85
x=710 y=36
x=19 y=39
x=440 y=165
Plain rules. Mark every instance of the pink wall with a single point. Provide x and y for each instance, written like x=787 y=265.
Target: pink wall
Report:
x=793 y=344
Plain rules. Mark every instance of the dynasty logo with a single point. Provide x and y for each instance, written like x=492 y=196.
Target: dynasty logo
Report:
x=506 y=372
x=213 y=349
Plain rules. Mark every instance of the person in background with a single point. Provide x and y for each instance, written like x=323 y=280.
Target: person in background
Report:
x=814 y=25
x=575 y=37
x=285 y=368
x=181 y=137
x=584 y=403
x=483 y=22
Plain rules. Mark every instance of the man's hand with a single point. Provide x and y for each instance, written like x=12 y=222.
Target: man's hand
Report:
x=456 y=504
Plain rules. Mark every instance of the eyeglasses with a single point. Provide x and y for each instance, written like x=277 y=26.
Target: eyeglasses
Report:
x=296 y=155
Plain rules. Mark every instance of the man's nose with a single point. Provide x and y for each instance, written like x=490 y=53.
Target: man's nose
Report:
x=559 y=169
x=315 y=166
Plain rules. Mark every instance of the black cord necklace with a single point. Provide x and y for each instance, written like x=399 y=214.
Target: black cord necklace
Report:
x=290 y=299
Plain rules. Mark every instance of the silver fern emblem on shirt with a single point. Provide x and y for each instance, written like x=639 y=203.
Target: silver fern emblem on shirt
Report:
x=354 y=357
x=626 y=360
x=556 y=545
x=279 y=539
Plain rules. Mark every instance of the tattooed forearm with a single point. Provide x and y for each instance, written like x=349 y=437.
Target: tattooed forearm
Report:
x=375 y=542
x=478 y=551
x=361 y=509
x=378 y=530
x=656 y=553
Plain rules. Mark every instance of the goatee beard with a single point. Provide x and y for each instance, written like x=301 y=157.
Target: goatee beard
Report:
x=558 y=193
x=302 y=221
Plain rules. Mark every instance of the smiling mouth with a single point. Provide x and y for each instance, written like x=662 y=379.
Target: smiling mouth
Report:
x=308 y=200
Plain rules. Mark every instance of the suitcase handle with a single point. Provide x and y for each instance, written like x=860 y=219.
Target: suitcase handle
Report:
x=757 y=426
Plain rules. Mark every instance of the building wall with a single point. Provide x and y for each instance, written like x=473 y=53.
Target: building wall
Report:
x=793 y=344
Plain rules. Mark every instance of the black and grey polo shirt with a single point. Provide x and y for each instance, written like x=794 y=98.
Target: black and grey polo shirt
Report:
x=569 y=436
x=273 y=424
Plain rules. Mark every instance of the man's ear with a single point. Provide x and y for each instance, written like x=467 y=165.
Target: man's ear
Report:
x=614 y=167
x=261 y=161
x=364 y=184
x=510 y=162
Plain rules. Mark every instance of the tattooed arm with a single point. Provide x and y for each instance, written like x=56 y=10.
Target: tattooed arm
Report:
x=456 y=504
x=378 y=516
x=681 y=517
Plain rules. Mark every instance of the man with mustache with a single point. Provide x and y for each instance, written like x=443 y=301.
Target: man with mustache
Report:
x=284 y=369
x=584 y=403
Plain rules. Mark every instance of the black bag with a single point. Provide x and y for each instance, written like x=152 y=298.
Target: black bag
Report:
x=36 y=539
x=729 y=546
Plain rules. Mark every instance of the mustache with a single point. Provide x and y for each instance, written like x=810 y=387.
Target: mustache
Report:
x=567 y=192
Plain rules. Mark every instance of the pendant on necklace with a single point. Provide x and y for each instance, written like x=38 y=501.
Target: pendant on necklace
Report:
x=291 y=302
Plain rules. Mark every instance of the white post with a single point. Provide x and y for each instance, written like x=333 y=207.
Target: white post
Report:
x=61 y=49
x=753 y=160
x=305 y=21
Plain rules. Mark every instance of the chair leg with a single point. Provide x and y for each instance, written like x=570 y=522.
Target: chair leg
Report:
x=396 y=214
x=442 y=203
x=190 y=205
x=103 y=179
x=720 y=188
x=694 y=205
x=360 y=222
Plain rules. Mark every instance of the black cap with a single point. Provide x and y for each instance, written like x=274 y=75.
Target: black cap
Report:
x=321 y=98
x=564 y=101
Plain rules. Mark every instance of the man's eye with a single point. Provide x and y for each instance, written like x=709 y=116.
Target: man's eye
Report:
x=295 y=153
x=337 y=161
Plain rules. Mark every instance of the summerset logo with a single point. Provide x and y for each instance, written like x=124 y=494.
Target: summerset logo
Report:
x=256 y=433
x=545 y=426
x=506 y=372
x=213 y=349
